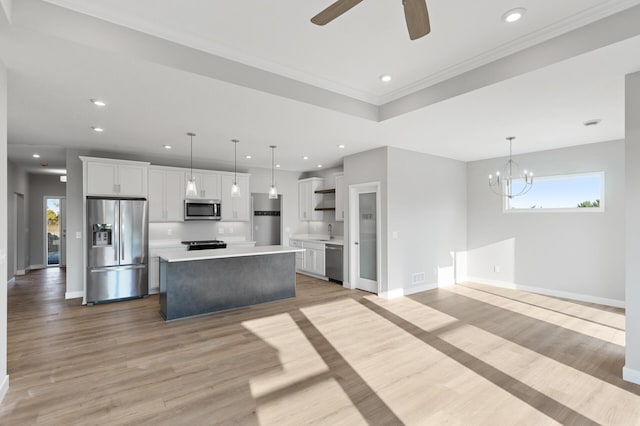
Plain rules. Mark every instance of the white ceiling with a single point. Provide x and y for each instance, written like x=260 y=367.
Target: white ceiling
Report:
x=52 y=79
x=348 y=55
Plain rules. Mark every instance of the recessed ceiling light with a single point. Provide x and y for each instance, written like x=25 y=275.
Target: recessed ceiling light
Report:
x=36 y=155
x=319 y=166
x=248 y=157
x=97 y=129
x=277 y=166
x=305 y=158
x=385 y=78
x=341 y=146
x=593 y=122
x=514 y=15
x=98 y=102
x=167 y=146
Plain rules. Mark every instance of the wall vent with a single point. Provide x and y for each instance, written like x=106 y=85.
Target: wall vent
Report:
x=418 y=278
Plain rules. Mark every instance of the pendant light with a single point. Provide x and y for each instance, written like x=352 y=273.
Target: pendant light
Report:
x=235 y=189
x=273 y=192
x=503 y=184
x=192 y=191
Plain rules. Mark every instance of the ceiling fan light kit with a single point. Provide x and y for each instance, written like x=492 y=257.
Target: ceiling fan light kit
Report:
x=415 y=13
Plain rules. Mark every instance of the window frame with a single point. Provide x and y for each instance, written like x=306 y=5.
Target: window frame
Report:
x=601 y=209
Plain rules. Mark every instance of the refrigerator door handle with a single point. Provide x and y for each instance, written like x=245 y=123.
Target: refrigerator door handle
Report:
x=122 y=239
x=128 y=268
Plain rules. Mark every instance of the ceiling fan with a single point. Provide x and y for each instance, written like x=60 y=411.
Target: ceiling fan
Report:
x=415 y=13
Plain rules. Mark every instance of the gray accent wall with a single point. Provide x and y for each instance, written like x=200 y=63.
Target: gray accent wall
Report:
x=632 y=277
x=577 y=253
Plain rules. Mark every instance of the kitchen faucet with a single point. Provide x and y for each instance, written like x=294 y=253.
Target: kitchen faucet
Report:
x=330 y=232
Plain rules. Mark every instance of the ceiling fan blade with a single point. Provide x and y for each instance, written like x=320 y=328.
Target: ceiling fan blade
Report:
x=417 y=16
x=333 y=11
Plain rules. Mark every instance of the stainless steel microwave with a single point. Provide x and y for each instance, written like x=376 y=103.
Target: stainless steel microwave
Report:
x=201 y=209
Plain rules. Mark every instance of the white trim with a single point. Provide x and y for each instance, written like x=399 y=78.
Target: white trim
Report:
x=11 y=281
x=152 y=290
x=631 y=375
x=4 y=387
x=549 y=292
x=311 y=274
x=73 y=294
x=34 y=267
x=20 y=272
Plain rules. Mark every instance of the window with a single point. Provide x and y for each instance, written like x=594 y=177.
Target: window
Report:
x=576 y=193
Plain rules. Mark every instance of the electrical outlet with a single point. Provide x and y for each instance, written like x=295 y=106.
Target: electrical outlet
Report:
x=394 y=235
x=256 y=227
x=169 y=231
x=496 y=268
x=220 y=230
x=78 y=235
x=231 y=230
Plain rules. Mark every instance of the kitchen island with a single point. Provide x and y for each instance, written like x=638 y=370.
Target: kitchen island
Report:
x=205 y=281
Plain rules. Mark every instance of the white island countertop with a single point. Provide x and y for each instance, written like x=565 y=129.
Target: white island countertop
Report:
x=187 y=256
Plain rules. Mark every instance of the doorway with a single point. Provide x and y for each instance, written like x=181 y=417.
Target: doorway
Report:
x=364 y=207
x=54 y=231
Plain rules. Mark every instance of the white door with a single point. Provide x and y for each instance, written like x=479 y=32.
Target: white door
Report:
x=63 y=232
x=363 y=203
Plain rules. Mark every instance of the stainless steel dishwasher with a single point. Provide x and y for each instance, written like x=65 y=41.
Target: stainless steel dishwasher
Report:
x=333 y=258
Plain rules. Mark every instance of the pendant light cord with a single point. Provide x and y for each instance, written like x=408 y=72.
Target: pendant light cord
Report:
x=235 y=162
x=272 y=165
x=191 y=156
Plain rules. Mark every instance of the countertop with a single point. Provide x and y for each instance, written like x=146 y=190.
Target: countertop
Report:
x=187 y=256
x=324 y=239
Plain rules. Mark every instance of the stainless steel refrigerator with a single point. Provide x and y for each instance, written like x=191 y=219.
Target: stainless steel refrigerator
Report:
x=117 y=252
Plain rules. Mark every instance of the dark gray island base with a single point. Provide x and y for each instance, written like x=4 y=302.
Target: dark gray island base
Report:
x=219 y=280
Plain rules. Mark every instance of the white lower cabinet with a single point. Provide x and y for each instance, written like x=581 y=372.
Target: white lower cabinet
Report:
x=312 y=260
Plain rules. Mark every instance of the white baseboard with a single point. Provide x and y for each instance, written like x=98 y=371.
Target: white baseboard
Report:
x=33 y=267
x=20 y=272
x=4 y=387
x=73 y=294
x=154 y=290
x=548 y=292
x=631 y=375
x=11 y=281
x=400 y=292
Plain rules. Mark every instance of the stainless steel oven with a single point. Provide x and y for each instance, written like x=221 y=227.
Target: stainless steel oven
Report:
x=201 y=209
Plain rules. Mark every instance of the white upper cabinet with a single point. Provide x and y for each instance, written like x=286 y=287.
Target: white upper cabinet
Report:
x=308 y=200
x=340 y=197
x=115 y=178
x=235 y=209
x=207 y=184
x=166 y=194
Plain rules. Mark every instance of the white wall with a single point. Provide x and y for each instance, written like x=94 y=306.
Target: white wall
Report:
x=579 y=255
x=365 y=167
x=427 y=220
x=39 y=187
x=18 y=183
x=631 y=370
x=4 y=378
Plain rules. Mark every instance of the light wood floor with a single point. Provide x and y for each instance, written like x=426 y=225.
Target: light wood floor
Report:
x=464 y=355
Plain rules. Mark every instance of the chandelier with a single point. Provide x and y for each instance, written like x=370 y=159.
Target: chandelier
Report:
x=511 y=182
